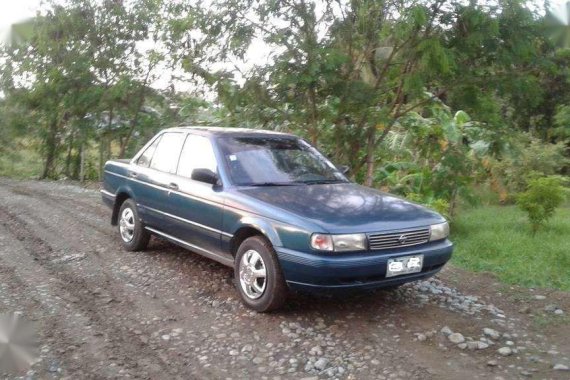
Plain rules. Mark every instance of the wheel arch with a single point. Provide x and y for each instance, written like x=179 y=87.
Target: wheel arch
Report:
x=120 y=198
x=249 y=229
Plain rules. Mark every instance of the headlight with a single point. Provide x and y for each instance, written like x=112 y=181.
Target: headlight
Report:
x=339 y=243
x=351 y=242
x=439 y=231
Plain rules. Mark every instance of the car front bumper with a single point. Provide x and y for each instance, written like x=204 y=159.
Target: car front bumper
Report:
x=329 y=272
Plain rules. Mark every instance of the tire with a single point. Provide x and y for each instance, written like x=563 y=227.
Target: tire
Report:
x=256 y=256
x=131 y=230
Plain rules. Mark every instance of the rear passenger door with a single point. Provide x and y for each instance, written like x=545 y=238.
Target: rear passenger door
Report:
x=154 y=178
x=198 y=205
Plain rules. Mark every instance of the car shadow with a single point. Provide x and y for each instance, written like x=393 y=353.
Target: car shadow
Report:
x=298 y=303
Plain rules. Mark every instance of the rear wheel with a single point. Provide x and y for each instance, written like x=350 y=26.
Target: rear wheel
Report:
x=258 y=275
x=133 y=235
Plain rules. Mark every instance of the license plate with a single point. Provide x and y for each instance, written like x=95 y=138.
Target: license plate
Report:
x=404 y=265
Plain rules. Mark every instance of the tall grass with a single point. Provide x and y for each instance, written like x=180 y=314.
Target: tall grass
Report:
x=24 y=163
x=499 y=239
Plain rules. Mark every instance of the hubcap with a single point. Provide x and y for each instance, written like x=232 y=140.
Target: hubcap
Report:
x=127 y=225
x=252 y=274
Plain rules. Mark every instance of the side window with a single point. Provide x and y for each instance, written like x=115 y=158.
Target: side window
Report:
x=166 y=155
x=144 y=159
x=196 y=154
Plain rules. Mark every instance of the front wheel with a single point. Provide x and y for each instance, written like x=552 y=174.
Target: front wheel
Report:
x=131 y=229
x=258 y=275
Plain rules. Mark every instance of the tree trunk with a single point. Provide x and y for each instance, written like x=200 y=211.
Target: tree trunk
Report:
x=82 y=163
x=101 y=156
x=370 y=156
x=104 y=153
x=314 y=132
x=68 y=158
x=108 y=148
x=104 y=144
x=338 y=143
x=76 y=165
x=453 y=202
x=51 y=149
x=135 y=119
x=134 y=122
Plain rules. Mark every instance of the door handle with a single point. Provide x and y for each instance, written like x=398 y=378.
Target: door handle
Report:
x=173 y=186
x=133 y=174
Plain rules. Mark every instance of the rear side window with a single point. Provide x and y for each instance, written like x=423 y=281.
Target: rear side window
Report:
x=166 y=155
x=196 y=154
x=144 y=159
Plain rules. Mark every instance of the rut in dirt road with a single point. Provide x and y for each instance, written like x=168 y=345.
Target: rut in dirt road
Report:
x=85 y=297
x=167 y=313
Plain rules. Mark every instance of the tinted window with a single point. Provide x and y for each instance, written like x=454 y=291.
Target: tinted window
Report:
x=196 y=154
x=146 y=157
x=166 y=155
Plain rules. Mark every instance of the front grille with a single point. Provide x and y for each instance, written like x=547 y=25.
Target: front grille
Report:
x=398 y=239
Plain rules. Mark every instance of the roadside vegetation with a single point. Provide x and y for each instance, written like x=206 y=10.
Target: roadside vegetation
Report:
x=496 y=239
x=431 y=100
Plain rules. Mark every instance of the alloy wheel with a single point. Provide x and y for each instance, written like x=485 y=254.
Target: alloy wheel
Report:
x=252 y=274
x=127 y=225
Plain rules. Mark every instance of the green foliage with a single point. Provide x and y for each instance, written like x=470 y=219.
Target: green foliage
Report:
x=526 y=156
x=562 y=123
x=438 y=204
x=436 y=156
x=20 y=161
x=495 y=239
x=348 y=77
x=431 y=98
x=541 y=199
x=83 y=78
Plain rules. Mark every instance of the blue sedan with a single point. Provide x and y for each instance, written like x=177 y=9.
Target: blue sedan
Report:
x=275 y=209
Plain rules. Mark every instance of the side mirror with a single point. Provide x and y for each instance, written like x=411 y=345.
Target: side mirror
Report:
x=344 y=169
x=205 y=175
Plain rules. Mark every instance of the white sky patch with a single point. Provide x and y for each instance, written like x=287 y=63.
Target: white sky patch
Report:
x=14 y=12
x=561 y=11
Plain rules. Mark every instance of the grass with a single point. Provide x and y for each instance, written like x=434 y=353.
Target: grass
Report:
x=24 y=162
x=498 y=239
x=21 y=163
x=550 y=320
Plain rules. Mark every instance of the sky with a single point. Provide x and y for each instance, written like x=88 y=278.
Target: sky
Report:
x=14 y=11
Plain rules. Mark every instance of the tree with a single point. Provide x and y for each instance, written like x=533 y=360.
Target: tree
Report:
x=84 y=60
x=345 y=73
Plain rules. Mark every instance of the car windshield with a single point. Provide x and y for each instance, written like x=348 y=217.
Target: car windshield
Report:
x=276 y=161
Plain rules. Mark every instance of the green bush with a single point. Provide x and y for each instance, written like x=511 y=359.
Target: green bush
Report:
x=440 y=205
x=528 y=155
x=541 y=199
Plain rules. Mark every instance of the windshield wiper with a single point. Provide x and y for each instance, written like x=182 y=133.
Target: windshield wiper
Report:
x=324 y=181
x=274 y=184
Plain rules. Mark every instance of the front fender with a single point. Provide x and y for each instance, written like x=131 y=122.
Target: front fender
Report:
x=278 y=233
x=265 y=226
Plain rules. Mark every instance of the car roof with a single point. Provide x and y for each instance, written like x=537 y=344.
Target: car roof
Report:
x=221 y=131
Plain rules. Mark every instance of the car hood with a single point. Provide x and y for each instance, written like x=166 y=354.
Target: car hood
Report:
x=345 y=207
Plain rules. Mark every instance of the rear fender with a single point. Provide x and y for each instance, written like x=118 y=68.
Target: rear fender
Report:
x=123 y=193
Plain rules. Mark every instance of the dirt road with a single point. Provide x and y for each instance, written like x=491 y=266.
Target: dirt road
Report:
x=167 y=313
